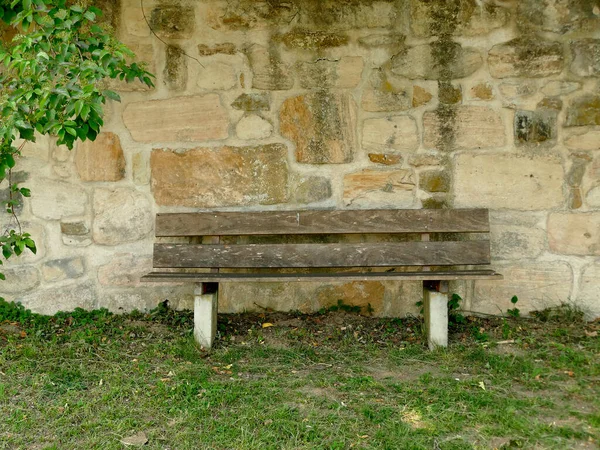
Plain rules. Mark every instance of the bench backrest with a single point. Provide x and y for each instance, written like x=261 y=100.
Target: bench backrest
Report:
x=344 y=254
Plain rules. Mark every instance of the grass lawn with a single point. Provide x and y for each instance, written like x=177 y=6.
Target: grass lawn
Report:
x=334 y=380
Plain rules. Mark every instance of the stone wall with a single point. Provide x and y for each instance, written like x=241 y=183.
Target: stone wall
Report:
x=333 y=104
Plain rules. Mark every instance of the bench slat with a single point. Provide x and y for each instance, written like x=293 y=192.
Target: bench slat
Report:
x=321 y=277
x=323 y=222
x=380 y=254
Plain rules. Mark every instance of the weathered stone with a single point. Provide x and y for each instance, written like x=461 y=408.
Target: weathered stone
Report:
x=426 y=159
x=558 y=16
x=537 y=285
x=458 y=17
x=386 y=94
x=574 y=233
x=336 y=15
x=390 y=133
x=577 y=170
x=225 y=48
x=449 y=94
x=435 y=181
x=387 y=159
x=222 y=176
x=252 y=102
x=134 y=22
x=176 y=72
x=324 y=73
x=304 y=39
x=508 y=181
x=121 y=215
x=592 y=198
x=420 y=96
x=61 y=269
x=173 y=21
x=62 y=170
x=269 y=71
x=436 y=61
x=392 y=41
x=586 y=57
x=64 y=298
x=100 y=160
x=589 y=140
x=463 y=127
x=379 y=188
x=312 y=189
x=587 y=300
x=551 y=103
x=217 y=76
x=482 y=91
x=368 y=295
x=322 y=125
x=525 y=57
x=140 y=298
x=61 y=153
x=52 y=200
x=584 y=111
x=558 y=87
x=253 y=127
x=124 y=269
x=518 y=90
x=74 y=227
x=19 y=279
x=516 y=241
x=193 y=118
x=575 y=198
x=534 y=128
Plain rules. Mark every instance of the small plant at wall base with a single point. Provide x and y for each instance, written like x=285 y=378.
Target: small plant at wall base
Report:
x=514 y=312
x=53 y=74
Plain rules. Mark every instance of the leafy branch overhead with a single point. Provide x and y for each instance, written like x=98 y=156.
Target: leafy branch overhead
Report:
x=53 y=81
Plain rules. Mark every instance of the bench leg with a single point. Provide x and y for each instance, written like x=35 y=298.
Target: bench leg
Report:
x=205 y=313
x=435 y=309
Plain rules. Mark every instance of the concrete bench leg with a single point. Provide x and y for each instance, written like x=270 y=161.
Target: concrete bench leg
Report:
x=435 y=309
x=205 y=313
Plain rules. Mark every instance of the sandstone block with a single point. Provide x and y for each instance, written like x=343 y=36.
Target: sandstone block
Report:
x=173 y=21
x=557 y=87
x=333 y=15
x=380 y=188
x=426 y=159
x=222 y=176
x=387 y=159
x=363 y=294
x=100 y=160
x=305 y=39
x=269 y=71
x=534 y=128
x=253 y=127
x=589 y=140
x=435 y=181
x=524 y=57
x=322 y=125
x=588 y=299
x=482 y=91
x=508 y=181
x=53 y=200
x=217 y=76
x=312 y=189
x=574 y=233
x=463 y=127
x=19 y=279
x=125 y=269
x=558 y=16
x=121 y=215
x=420 y=96
x=518 y=90
x=193 y=118
x=61 y=269
x=176 y=70
x=323 y=73
x=397 y=133
x=65 y=298
x=225 y=48
x=592 y=198
x=252 y=102
x=584 y=111
x=538 y=285
x=134 y=22
x=516 y=241
x=145 y=299
x=436 y=61
x=449 y=94
x=387 y=41
x=386 y=93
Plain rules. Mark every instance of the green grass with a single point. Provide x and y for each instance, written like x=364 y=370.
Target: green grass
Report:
x=334 y=380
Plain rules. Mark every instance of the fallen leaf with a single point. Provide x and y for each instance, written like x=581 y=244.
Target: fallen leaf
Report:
x=101 y=382
x=482 y=385
x=364 y=436
x=267 y=325
x=227 y=367
x=23 y=334
x=570 y=373
x=590 y=333
x=138 y=439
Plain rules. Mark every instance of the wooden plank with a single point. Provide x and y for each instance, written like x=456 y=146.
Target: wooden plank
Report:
x=380 y=254
x=322 y=277
x=323 y=222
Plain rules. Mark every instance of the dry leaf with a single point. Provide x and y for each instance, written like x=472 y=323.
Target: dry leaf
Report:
x=482 y=385
x=590 y=333
x=137 y=440
x=227 y=367
x=267 y=325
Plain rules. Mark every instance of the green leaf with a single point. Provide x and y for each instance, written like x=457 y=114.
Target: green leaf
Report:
x=111 y=95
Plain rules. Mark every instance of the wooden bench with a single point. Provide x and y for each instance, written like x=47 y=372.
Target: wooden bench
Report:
x=433 y=246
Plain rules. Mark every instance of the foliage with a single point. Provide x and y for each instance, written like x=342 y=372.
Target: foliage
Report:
x=53 y=76
x=514 y=312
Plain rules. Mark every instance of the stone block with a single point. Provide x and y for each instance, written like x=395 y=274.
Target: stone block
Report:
x=558 y=16
x=534 y=128
x=588 y=299
x=225 y=48
x=252 y=102
x=100 y=160
x=508 y=181
x=305 y=39
x=322 y=125
x=462 y=17
x=140 y=169
x=538 y=285
x=379 y=188
x=574 y=233
x=368 y=295
x=392 y=41
x=559 y=87
x=312 y=189
x=396 y=133
x=441 y=60
x=133 y=21
x=386 y=93
x=592 y=197
x=64 y=268
x=333 y=15
x=588 y=140
x=19 y=279
x=269 y=72
x=516 y=241
x=53 y=200
x=517 y=91
x=586 y=57
x=426 y=159
x=449 y=94
x=386 y=159
x=61 y=153
x=584 y=111
x=324 y=73
x=174 y=21
x=125 y=269
x=420 y=96
x=525 y=57
x=482 y=91
x=121 y=215
x=49 y=301
x=125 y=300
x=176 y=71
x=435 y=181
x=463 y=127
x=217 y=76
x=253 y=127
x=178 y=119
x=76 y=232
x=221 y=176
